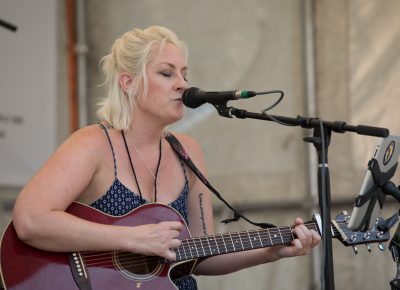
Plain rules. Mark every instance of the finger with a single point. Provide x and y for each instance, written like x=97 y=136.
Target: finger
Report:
x=175 y=243
x=174 y=226
x=305 y=237
x=298 y=221
x=297 y=244
x=316 y=238
x=173 y=234
x=170 y=255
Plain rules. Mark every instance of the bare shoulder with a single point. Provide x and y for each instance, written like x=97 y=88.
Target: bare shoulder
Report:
x=84 y=148
x=89 y=139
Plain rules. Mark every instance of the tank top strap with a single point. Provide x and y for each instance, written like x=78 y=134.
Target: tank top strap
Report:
x=111 y=146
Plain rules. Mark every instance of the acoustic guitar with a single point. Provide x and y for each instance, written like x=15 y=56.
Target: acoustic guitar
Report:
x=26 y=268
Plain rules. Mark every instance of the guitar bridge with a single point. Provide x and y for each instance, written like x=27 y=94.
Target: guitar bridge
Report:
x=79 y=272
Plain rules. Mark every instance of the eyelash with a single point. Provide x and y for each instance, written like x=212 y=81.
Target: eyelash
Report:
x=169 y=75
x=166 y=74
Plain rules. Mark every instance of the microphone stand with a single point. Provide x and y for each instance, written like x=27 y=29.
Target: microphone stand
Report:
x=389 y=188
x=321 y=139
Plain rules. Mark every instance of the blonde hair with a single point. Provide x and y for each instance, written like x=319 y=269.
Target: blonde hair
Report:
x=131 y=53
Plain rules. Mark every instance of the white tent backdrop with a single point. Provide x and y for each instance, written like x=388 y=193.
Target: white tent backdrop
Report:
x=28 y=88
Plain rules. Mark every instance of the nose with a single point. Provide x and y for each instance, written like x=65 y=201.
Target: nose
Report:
x=181 y=84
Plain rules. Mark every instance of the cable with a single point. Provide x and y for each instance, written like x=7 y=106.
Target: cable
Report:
x=264 y=112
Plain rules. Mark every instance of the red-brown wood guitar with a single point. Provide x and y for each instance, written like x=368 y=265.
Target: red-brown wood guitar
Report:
x=26 y=268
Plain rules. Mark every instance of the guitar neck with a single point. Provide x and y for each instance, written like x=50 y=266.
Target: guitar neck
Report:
x=235 y=242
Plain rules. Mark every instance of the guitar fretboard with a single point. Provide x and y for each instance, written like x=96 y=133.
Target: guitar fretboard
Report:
x=234 y=242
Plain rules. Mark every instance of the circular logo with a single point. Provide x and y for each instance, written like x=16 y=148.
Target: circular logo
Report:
x=388 y=153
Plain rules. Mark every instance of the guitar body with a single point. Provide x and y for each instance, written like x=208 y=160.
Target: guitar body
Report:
x=25 y=268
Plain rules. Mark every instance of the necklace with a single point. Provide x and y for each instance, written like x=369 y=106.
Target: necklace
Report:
x=144 y=163
x=133 y=168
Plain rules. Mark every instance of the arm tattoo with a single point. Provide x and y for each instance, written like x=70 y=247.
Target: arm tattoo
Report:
x=202 y=213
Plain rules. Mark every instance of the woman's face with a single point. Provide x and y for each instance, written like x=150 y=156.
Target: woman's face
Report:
x=166 y=76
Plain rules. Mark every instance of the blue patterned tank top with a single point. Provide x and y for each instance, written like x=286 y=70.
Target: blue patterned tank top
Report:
x=119 y=200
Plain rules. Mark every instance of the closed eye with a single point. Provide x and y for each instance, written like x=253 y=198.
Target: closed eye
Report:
x=168 y=75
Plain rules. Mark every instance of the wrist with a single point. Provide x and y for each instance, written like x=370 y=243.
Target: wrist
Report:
x=273 y=254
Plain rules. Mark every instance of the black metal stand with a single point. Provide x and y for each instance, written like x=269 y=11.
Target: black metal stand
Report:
x=321 y=140
x=394 y=247
x=389 y=188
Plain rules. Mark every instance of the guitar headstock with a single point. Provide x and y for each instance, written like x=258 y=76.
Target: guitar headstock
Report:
x=348 y=237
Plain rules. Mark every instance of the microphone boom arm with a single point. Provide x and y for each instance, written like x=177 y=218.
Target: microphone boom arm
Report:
x=304 y=122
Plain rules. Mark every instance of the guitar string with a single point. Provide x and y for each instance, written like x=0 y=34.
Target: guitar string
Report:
x=133 y=257
x=193 y=244
x=217 y=238
x=132 y=261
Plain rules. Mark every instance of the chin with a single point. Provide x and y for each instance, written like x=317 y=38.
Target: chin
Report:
x=173 y=118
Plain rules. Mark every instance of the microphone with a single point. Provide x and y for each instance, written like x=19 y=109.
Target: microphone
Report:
x=194 y=97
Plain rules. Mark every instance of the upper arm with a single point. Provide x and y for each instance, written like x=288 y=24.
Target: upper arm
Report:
x=200 y=213
x=62 y=178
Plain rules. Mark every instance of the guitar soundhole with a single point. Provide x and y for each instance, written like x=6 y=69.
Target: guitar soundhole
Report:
x=137 y=267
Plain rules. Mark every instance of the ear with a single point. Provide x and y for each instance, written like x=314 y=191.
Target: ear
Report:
x=125 y=80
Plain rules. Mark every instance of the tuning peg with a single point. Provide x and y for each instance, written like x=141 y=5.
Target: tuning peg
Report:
x=381 y=247
x=368 y=247
x=355 y=250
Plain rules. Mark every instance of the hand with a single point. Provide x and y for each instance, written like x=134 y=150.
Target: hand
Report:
x=158 y=239
x=305 y=240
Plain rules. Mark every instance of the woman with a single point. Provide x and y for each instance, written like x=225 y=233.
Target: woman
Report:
x=125 y=161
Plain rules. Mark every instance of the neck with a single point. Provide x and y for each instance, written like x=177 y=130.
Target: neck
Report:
x=145 y=134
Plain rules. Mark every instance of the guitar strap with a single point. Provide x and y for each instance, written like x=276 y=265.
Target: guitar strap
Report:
x=178 y=148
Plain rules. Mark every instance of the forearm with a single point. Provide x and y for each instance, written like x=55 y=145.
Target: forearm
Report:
x=229 y=263
x=60 y=231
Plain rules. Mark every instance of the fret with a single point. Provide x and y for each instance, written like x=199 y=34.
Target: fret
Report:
x=233 y=244
x=213 y=245
x=251 y=243
x=194 y=247
x=209 y=245
x=230 y=247
x=275 y=236
x=291 y=234
x=280 y=234
x=237 y=241
x=201 y=244
x=216 y=244
x=178 y=254
x=206 y=246
x=270 y=238
x=245 y=241
x=188 y=253
x=184 y=250
x=223 y=240
x=258 y=232
x=255 y=238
